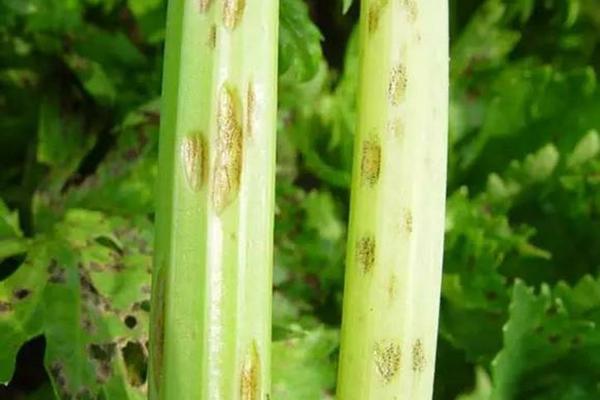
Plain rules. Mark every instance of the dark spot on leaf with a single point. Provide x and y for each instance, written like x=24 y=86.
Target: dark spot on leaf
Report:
x=552 y=310
x=576 y=341
x=491 y=295
x=58 y=375
x=554 y=338
x=145 y=305
x=56 y=273
x=5 y=307
x=130 y=321
x=136 y=363
x=21 y=294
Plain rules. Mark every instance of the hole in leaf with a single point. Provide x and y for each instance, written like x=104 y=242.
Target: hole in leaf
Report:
x=130 y=321
x=136 y=363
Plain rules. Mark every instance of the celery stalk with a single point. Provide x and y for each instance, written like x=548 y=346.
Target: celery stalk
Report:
x=211 y=324
x=394 y=259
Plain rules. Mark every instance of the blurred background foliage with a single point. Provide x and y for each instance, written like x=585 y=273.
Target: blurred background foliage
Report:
x=79 y=114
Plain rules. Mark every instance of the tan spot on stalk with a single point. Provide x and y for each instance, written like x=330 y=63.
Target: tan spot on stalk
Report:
x=418 y=356
x=371 y=162
x=412 y=9
x=387 y=360
x=408 y=221
x=228 y=162
x=193 y=154
x=211 y=41
x=396 y=128
x=204 y=5
x=374 y=14
x=250 y=379
x=365 y=253
x=233 y=11
x=392 y=288
x=250 y=109
x=397 y=84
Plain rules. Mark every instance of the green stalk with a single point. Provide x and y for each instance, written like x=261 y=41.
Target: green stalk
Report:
x=393 y=273
x=210 y=327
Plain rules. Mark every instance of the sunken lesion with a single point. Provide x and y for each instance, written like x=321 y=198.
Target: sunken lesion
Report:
x=204 y=5
x=194 y=154
x=233 y=12
x=228 y=162
x=397 y=84
x=418 y=356
x=250 y=376
x=387 y=358
x=374 y=14
x=365 y=253
x=370 y=165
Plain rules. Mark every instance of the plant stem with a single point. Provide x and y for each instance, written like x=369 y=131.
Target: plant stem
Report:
x=211 y=326
x=393 y=273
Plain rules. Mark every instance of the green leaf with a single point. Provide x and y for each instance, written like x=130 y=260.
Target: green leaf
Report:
x=300 y=52
x=346 y=6
x=85 y=287
x=303 y=366
x=550 y=343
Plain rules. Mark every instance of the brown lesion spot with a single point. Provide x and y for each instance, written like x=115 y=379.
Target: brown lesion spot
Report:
x=365 y=253
x=392 y=288
x=374 y=14
x=227 y=169
x=204 y=5
x=250 y=377
x=211 y=41
x=103 y=355
x=233 y=11
x=21 y=294
x=418 y=356
x=387 y=360
x=194 y=156
x=408 y=221
x=397 y=84
x=5 y=307
x=250 y=109
x=412 y=10
x=370 y=165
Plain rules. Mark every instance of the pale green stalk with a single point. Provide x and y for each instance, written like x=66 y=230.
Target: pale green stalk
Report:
x=394 y=259
x=210 y=332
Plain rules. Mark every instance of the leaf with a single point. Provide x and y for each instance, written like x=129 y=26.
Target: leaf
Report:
x=303 y=366
x=300 y=52
x=85 y=287
x=346 y=6
x=550 y=342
